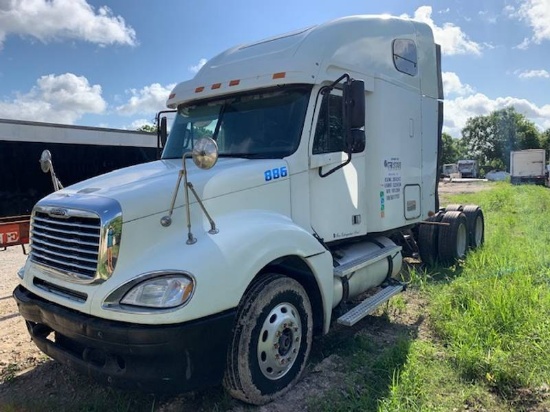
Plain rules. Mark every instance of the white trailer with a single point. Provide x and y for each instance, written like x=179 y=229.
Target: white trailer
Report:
x=315 y=170
x=528 y=166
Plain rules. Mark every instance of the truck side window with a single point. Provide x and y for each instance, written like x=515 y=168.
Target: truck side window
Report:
x=329 y=133
x=404 y=56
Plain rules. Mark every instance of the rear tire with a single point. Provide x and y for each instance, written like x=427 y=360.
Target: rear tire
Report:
x=428 y=241
x=271 y=342
x=453 y=207
x=453 y=237
x=476 y=225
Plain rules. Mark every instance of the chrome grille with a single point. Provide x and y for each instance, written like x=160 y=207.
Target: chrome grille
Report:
x=68 y=243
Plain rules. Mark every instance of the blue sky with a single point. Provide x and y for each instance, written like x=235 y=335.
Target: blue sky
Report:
x=113 y=63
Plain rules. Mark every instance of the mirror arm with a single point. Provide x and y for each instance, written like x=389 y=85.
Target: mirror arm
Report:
x=190 y=238
x=201 y=152
x=331 y=171
x=338 y=80
x=167 y=220
x=213 y=230
x=56 y=182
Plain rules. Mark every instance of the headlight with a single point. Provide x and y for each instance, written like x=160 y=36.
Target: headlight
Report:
x=163 y=292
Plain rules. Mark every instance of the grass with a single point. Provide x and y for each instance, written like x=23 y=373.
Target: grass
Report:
x=8 y=372
x=495 y=318
x=488 y=341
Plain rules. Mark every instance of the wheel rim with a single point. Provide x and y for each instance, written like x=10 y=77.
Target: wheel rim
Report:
x=478 y=231
x=461 y=241
x=279 y=341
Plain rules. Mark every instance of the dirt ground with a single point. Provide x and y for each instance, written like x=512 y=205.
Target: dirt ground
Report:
x=447 y=186
x=26 y=373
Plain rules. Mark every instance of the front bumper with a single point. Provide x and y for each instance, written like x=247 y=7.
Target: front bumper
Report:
x=155 y=358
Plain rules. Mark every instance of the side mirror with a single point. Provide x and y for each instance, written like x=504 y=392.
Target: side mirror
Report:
x=357 y=140
x=205 y=153
x=46 y=161
x=47 y=167
x=163 y=131
x=354 y=103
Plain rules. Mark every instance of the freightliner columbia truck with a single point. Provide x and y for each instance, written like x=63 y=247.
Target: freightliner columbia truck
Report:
x=298 y=173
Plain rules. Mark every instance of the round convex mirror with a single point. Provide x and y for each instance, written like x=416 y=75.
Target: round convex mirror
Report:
x=46 y=161
x=205 y=153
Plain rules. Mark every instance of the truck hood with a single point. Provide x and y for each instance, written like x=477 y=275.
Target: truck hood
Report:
x=147 y=189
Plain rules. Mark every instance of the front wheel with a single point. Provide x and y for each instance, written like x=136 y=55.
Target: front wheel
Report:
x=271 y=341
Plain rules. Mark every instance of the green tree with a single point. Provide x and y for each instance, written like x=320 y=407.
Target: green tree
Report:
x=451 y=149
x=480 y=139
x=147 y=128
x=489 y=139
x=528 y=135
x=544 y=140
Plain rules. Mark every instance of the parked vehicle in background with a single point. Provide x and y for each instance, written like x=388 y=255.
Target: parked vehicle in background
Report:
x=176 y=275
x=449 y=169
x=528 y=166
x=468 y=168
x=497 y=175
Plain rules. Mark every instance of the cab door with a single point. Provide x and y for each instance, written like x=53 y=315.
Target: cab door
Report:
x=337 y=198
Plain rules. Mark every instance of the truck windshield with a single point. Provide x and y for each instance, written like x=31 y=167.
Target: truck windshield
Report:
x=265 y=124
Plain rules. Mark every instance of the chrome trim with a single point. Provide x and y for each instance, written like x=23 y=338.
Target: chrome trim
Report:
x=69 y=247
x=73 y=295
x=109 y=247
x=112 y=301
x=59 y=212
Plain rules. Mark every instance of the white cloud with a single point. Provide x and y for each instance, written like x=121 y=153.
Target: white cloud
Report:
x=489 y=18
x=531 y=74
x=459 y=110
x=536 y=13
x=136 y=124
x=198 y=66
x=451 y=38
x=148 y=100
x=63 y=19
x=56 y=99
x=453 y=85
x=524 y=45
x=464 y=106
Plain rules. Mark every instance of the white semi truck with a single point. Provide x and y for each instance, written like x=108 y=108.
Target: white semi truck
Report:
x=467 y=168
x=314 y=172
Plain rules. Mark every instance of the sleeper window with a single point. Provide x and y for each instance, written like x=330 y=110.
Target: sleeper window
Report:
x=404 y=56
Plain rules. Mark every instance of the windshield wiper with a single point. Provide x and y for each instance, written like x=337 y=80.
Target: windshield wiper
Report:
x=219 y=122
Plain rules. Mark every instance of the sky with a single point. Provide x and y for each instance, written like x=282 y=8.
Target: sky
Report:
x=113 y=63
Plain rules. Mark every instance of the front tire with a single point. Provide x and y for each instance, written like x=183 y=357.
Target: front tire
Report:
x=271 y=341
